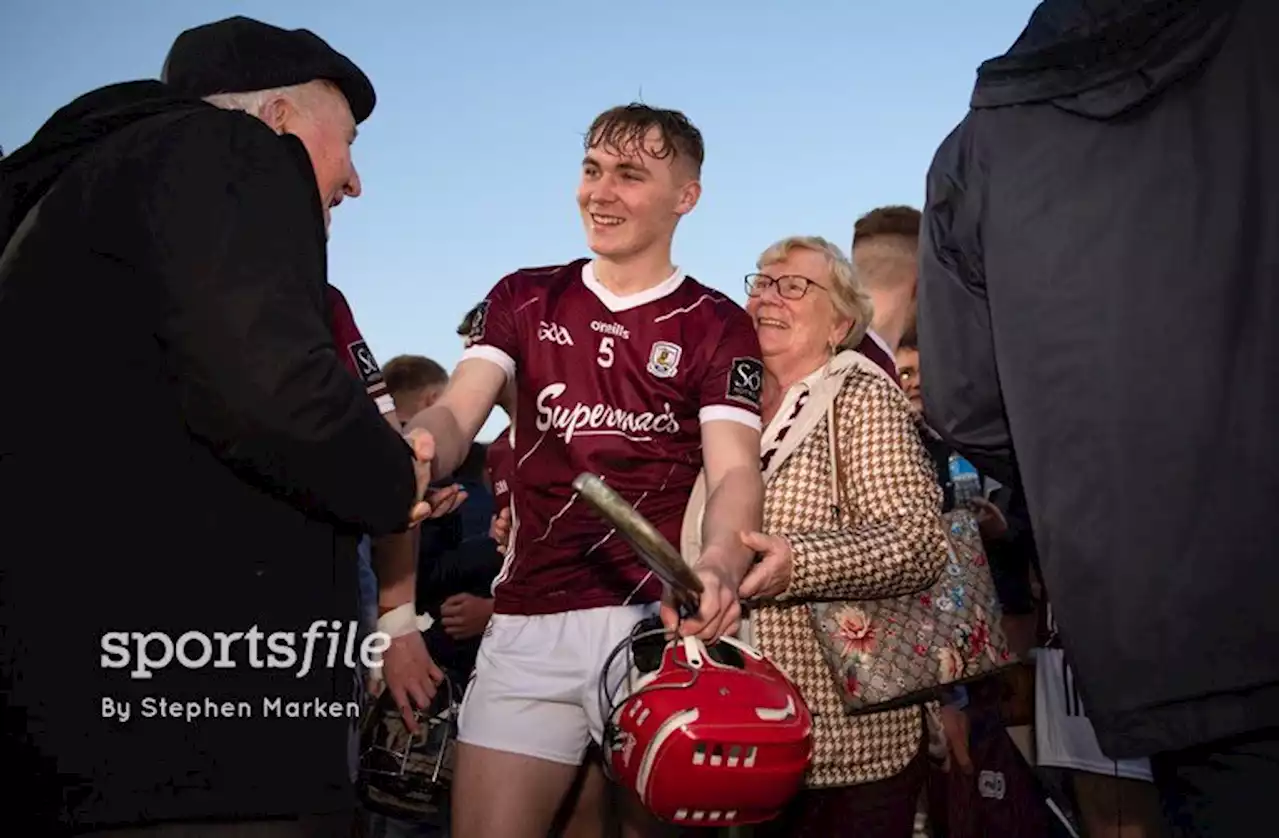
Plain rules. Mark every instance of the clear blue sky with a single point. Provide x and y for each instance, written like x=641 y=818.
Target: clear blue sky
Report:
x=813 y=113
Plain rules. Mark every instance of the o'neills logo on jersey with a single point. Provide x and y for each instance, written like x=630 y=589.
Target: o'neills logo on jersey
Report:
x=597 y=419
x=615 y=329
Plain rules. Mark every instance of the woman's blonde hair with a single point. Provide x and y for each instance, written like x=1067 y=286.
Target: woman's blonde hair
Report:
x=850 y=298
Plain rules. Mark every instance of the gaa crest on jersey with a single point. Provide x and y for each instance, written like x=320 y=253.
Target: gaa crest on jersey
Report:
x=991 y=785
x=746 y=381
x=664 y=359
x=475 y=322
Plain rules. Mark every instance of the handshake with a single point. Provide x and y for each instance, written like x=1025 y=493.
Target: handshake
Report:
x=430 y=503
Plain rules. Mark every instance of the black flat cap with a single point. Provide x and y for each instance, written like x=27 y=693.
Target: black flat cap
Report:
x=240 y=54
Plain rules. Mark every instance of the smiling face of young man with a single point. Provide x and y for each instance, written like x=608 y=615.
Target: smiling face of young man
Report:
x=639 y=177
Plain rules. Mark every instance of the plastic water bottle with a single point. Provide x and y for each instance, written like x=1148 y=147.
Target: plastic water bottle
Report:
x=965 y=481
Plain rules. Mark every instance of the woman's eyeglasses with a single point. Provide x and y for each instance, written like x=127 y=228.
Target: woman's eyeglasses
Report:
x=789 y=287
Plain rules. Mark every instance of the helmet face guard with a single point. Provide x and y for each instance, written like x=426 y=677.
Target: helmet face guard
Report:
x=705 y=736
x=404 y=775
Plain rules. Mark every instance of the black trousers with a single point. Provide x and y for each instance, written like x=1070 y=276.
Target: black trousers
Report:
x=1221 y=789
x=320 y=826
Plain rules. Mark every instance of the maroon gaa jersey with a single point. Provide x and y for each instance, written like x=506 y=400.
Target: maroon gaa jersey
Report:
x=354 y=351
x=615 y=386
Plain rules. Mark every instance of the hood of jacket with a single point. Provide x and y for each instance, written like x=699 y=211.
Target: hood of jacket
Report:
x=29 y=172
x=1102 y=58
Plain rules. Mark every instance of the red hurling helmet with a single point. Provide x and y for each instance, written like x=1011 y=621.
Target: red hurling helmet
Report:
x=705 y=736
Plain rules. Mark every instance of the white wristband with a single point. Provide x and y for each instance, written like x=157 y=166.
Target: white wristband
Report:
x=398 y=622
x=403 y=620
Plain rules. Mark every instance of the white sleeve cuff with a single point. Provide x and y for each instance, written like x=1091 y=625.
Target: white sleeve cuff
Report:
x=494 y=356
x=726 y=413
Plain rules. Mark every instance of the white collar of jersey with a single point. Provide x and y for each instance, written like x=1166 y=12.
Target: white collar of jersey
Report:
x=880 y=342
x=615 y=303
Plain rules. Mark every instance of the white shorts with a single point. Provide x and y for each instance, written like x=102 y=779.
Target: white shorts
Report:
x=536 y=686
x=1064 y=735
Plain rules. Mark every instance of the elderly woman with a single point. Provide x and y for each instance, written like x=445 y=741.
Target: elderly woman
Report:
x=810 y=311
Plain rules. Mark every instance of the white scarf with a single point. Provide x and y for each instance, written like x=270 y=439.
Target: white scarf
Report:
x=824 y=385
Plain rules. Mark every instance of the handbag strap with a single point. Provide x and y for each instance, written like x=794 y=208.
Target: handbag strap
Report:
x=838 y=501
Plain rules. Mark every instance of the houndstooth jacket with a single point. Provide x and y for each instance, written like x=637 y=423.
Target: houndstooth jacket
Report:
x=895 y=545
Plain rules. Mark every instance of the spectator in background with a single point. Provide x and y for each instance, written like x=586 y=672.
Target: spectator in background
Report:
x=885 y=241
x=414 y=382
x=1010 y=549
x=452 y=583
x=1098 y=300
x=244 y=461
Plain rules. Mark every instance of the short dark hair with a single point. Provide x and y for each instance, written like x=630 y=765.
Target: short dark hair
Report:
x=621 y=129
x=407 y=373
x=910 y=340
x=896 y=220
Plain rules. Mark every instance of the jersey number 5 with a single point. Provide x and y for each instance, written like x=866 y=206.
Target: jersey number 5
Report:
x=605 y=358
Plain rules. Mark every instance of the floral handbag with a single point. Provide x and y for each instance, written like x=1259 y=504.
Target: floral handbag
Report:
x=901 y=650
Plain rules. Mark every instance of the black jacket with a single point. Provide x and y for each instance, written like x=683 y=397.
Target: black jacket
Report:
x=1098 y=295
x=181 y=449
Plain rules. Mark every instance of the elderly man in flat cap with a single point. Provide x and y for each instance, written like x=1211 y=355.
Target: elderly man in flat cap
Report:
x=240 y=54
x=178 y=580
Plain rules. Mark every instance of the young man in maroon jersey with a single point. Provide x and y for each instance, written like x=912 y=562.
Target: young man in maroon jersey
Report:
x=627 y=368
